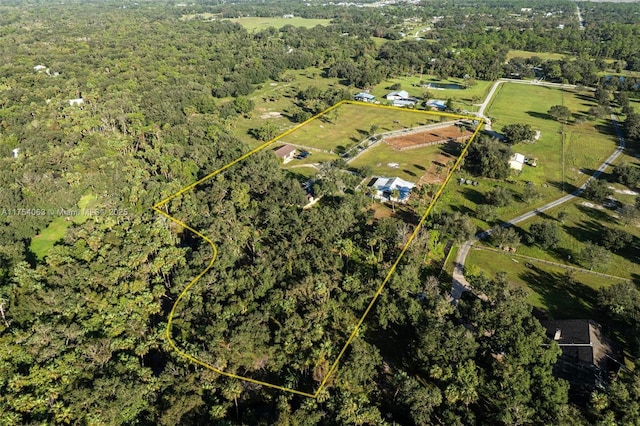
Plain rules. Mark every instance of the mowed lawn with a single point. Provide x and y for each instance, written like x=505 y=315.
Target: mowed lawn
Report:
x=586 y=222
x=549 y=287
x=587 y=144
x=257 y=23
x=412 y=163
x=349 y=124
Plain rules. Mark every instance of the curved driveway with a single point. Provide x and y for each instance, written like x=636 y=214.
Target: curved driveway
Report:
x=460 y=284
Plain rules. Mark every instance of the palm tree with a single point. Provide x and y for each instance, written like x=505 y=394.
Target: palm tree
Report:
x=395 y=194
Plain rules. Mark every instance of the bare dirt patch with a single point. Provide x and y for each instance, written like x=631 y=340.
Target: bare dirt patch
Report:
x=272 y=114
x=418 y=139
x=437 y=170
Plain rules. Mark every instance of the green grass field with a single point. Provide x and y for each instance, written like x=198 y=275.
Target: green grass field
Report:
x=585 y=223
x=352 y=123
x=277 y=97
x=550 y=288
x=261 y=23
x=412 y=163
x=586 y=145
x=43 y=242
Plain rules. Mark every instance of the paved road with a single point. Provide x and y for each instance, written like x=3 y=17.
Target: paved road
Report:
x=580 y=21
x=460 y=284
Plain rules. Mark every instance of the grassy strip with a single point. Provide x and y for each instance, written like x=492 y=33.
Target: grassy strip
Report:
x=555 y=290
x=257 y=23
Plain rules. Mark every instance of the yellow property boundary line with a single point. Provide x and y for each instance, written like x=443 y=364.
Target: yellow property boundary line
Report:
x=157 y=208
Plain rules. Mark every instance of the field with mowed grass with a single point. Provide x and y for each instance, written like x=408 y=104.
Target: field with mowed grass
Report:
x=350 y=124
x=587 y=143
x=273 y=99
x=257 y=23
x=410 y=165
x=586 y=222
x=557 y=291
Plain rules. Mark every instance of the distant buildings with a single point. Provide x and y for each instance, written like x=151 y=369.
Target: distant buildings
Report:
x=404 y=103
x=436 y=104
x=76 y=102
x=401 y=98
x=39 y=68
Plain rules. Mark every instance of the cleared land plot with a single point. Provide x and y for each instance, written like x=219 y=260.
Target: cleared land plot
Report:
x=417 y=139
x=43 y=242
x=352 y=123
x=273 y=99
x=429 y=162
x=560 y=294
x=256 y=23
x=545 y=56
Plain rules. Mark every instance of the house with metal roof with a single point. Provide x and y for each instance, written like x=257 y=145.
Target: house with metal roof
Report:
x=364 y=97
x=384 y=187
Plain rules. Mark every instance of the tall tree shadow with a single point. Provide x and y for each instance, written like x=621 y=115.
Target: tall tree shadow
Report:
x=563 y=296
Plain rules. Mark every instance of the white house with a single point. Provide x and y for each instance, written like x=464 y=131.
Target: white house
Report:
x=39 y=68
x=15 y=152
x=397 y=95
x=517 y=161
x=76 y=102
x=286 y=152
x=384 y=186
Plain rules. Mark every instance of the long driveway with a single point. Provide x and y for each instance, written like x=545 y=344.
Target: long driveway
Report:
x=460 y=283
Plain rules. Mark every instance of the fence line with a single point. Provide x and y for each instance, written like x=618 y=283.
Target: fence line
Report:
x=548 y=262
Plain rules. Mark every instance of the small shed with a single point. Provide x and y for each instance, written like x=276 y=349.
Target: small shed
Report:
x=517 y=161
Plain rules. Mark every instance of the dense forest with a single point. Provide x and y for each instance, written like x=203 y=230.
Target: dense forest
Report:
x=82 y=325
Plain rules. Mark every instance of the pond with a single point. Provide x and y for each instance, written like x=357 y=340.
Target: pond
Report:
x=443 y=86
